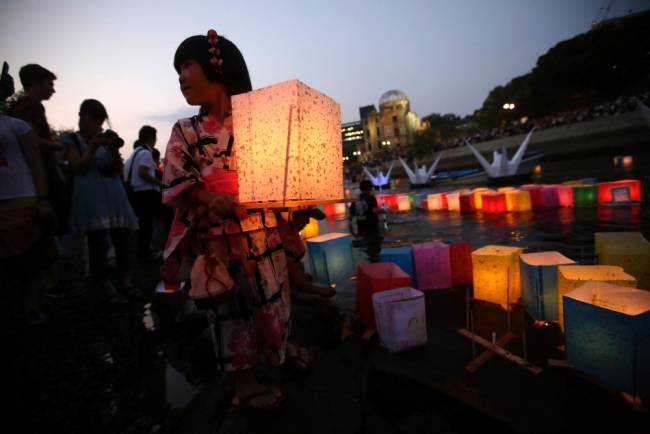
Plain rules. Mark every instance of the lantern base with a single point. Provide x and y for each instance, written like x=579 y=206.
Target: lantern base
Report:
x=292 y=204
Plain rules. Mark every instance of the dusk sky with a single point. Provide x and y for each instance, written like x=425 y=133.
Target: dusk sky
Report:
x=445 y=55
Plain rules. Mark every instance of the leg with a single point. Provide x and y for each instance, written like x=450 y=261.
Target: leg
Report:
x=123 y=241
x=98 y=260
x=144 y=204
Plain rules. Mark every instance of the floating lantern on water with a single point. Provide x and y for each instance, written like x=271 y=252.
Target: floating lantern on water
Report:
x=401 y=318
x=348 y=192
x=401 y=256
x=453 y=201
x=629 y=250
x=373 y=278
x=424 y=204
x=460 y=256
x=565 y=195
x=431 y=266
x=496 y=274
x=504 y=189
x=334 y=209
x=518 y=200
x=585 y=195
x=467 y=202
x=550 y=196
x=622 y=192
x=574 y=276
x=608 y=334
x=535 y=192
x=494 y=203
x=288 y=144
x=437 y=201
x=403 y=203
x=311 y=229
x=539 y=283
x=330 y=258
x=478 y=196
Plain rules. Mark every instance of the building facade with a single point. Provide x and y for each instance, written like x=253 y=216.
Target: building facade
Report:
x=393 y=125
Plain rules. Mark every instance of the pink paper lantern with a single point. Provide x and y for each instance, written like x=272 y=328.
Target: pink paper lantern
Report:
x=494 y=203
x=550 y=197
x=535 y=192
x=622 y=192
x=431 y=263
x=374 y=278
x=565 y=195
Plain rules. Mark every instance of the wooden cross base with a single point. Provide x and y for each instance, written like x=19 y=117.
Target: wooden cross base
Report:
x=497 y=349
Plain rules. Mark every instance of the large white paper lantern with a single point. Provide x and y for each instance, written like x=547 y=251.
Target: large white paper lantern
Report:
x=401 y=318
x=288 y=145
x=608 y=334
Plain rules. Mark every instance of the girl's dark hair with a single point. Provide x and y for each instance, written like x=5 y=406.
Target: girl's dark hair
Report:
x=34 y=74
x=146 y=132
x=234 y=73
x=94 y=109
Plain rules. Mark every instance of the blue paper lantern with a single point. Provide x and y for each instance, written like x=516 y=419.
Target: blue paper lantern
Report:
x=330 y=258
x=539 y=283
x=401 y=256
x=608 y=334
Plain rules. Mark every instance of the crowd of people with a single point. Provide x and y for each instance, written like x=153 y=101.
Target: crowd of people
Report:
x=76 y=194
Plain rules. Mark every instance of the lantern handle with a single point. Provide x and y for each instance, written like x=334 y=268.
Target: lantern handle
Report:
x=286 y=158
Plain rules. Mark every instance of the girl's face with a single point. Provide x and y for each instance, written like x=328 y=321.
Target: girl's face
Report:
x=90 y=125
x=195 y=86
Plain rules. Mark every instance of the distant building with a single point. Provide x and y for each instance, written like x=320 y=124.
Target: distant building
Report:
x=352 y=137
x=393 y=125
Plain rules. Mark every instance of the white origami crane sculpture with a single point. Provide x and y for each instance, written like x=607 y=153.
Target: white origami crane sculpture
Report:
x=420 y=175
x=500 y=165
x=379 y=179
x=645 y=111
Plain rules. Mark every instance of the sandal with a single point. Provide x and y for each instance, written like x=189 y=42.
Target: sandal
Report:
x=246 y=403
x=300 y=360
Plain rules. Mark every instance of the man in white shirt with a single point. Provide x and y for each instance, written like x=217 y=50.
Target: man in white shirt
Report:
x=140 y=175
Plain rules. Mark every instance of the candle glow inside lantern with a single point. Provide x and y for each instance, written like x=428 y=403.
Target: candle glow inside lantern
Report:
x=330 y=258
x=619 y=192
x=453 y=201
x=574 y=276
x=373 y=278
x=494 y=203
x=550 y=197
x=311 y=229
x=437 y=201
x=629 y=250
x=608 y=334
x=535 y=192
x=403 y=203
x=431 y=263
x=401 y=256
x=585 y=195
x=334 y=209
x=539 y=283
x=478 y=196
x=401 y=318
x=565 y=195
x=496 y=274
x=467 y=202
x=460 y=256
x=518 y=201
x=287 y=145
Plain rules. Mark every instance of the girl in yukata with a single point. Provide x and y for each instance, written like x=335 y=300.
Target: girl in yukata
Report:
x=235 y=260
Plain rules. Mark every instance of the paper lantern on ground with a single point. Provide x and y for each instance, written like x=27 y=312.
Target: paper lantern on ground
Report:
x=437 y=201
x=401 y=318
x=401 y=256
x=330 y=258
x=494 y=203
x=619 y=192
x=550 y=197
x=520 y=200
x=311 y=230
x=288 y=144
x=390 y=200
x=535 y=192
x=574 y=276
x=629 y=250
x=496 y=274
x=585 y=195
x=403 y=203
x=431 y=266
x=460 y=255
x=539 y=283
x=453 y=201
x=565 y=195
x=467 y=203
x=478 y=196
x=373 y=278
x=608 y=334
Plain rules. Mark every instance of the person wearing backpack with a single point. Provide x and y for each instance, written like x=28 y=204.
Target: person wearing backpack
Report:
x=366 y=213
x=143 y=187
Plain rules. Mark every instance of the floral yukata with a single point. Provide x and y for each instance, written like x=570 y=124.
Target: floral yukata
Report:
x=237 y=266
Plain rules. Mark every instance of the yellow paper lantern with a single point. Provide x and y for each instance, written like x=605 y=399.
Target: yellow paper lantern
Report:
x=573 y=276
x=504 y=189
x=629 y=250
x=518 y=200
x=287 y=144
x=311 y=230
x=478 y=196
x=496 y=274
